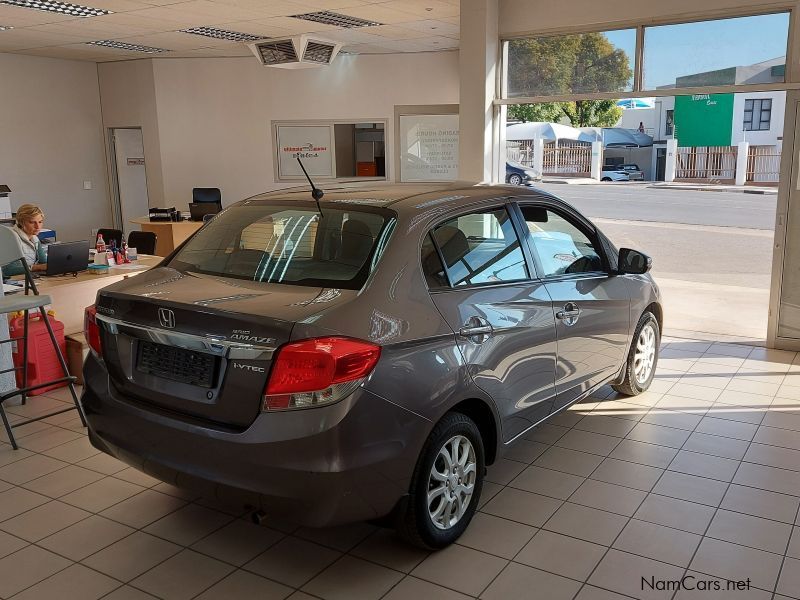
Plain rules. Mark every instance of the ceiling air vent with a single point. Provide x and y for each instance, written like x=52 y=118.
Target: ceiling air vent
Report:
x=295 y=52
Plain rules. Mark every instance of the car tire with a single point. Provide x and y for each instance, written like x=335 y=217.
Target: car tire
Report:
x=640 y=365
x=418 y=519
x=515 y=179
x=606 y=179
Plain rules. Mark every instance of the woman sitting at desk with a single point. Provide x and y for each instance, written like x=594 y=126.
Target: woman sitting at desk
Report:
x=29 y=223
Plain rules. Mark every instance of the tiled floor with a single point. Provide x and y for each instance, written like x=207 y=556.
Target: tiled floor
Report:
x=699 y=476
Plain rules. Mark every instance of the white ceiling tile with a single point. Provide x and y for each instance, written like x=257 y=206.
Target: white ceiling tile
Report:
x=114 y=5
x=382 y=13
x=353 y=36
x=138 y=23
x=267 y=8
x=397 y=32
x=20 y=39
x=258 y=28
x=167 y=40
x=428 y=9
x=21 y=17
x=366 y=49
x=434 y=28
x=296 y=26
x=92 y=28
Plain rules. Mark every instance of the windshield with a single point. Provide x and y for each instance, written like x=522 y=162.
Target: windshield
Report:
x=283 y=244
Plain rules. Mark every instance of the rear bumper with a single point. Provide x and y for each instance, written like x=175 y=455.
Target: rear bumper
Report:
x=318 y=467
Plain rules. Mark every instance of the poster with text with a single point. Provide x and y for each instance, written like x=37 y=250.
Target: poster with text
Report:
x=428 y=147
x=313 y=144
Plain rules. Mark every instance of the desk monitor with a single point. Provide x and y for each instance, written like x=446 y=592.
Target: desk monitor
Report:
x=67 y=257
x=198 y=210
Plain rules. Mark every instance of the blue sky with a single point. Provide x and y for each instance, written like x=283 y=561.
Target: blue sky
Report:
x=675 y=50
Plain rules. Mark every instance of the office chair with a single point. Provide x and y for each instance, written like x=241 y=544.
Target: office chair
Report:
x=110 y=234
x=143 y=241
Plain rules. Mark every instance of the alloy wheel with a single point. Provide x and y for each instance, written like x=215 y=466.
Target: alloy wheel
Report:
x=645 y=356
x=451 y=482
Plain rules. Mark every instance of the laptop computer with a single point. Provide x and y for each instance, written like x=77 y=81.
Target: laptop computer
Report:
x=67 y=257
x=198 y=210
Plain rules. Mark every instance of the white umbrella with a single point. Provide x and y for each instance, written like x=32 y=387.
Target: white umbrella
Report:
x=549 y=132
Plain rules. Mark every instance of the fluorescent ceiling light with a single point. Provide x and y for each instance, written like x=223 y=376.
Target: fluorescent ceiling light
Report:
x=5 y=27
x=222 y=34
x=331 y=18
x=125 y=46
x=64 y=8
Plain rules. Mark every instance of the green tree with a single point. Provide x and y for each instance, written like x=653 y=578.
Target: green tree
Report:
x=568 y=64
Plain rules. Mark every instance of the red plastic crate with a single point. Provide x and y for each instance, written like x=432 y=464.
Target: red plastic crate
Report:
x=43 y=362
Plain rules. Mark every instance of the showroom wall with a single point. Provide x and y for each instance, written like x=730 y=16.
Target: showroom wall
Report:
x=213 y=115
x=51 y=141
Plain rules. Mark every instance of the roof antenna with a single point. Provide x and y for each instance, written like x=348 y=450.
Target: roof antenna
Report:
x=316 y=193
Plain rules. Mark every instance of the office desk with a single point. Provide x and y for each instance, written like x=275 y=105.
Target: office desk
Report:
x=171 y=234
x=70 y=295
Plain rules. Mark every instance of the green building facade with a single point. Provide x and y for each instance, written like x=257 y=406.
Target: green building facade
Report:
x=704 y=120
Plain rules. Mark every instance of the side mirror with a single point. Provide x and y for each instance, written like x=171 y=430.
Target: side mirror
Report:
x=633 y=262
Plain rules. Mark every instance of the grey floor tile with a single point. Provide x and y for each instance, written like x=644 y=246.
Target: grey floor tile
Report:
x=351 y=577
x=561 y=554
x=606 y=425
x=85 y=537
x=183 y=576
x=143 y=508
x=789 y=582
x=17 y=500
x=569 y=461
x=794 y=544
x=658 y=542
x=101 y=494
x=547 y=482
x=63 y=481
x=43 y=520
x=785 y=438
x=676 y=513
x=525 y=451
x=625 y=573
x=586 y=523
x=127 y=592
x=589 y=592
x=715 y=445
x=386 y=548
x=768 y=478
x=691 y=487
x=644 y=453
x=609 y=497
x=73 y=583
x=292 y=561
x=587 y=441
x=28 y=567
x=504 y=470
x=495 y=535
x=521 y=506
x=241 y=584
x=672 y=418
x=517 y=581
x=132 y=556
x=238 y=542
x=761 y=503
x=462 y=569
x=546 y=433
x=632 y=475
x=659 y=435
x=747 y=530
x=736 y=562
x=189 y=524
x=772 y=456
x=30 y=468
x=411 y=588
x=704 y=465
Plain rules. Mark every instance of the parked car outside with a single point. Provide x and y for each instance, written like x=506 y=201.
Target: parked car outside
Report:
x=633 y=171
x=366 y=357
x=517 y=174
x=612 y=175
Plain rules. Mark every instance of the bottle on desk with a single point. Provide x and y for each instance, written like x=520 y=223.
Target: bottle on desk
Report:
x=101 y=244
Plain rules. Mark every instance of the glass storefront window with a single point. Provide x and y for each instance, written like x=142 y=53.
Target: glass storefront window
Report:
x=737 y=51
x=581 y=63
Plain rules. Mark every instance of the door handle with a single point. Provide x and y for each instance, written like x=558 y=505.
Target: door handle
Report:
x=570 y=314
x=475 y=327
x=479 y=330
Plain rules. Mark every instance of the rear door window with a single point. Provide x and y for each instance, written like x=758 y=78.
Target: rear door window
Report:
x=481 y=248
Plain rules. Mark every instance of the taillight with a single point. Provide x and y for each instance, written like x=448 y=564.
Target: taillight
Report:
x=92 y=330
x=318 y=371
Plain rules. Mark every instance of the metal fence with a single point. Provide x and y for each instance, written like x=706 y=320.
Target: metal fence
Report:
x=764 y=164
x=706 y=162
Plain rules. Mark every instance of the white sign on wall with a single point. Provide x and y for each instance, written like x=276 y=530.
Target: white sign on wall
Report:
x=312 y=143
x=429 y=147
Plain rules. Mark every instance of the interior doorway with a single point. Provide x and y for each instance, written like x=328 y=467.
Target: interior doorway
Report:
x=128 y=176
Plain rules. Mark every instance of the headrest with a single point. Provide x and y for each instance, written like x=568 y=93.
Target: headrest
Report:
x=453 y=243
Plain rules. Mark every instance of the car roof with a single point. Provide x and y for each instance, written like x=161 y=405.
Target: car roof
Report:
x=412 y=197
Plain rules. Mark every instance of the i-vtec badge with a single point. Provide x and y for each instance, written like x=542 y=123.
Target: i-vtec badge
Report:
x=251 y=368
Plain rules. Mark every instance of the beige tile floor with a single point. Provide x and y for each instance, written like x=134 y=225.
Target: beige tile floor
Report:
x=700 y=476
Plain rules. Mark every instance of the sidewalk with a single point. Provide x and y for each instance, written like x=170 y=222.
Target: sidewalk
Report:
x=703 y=187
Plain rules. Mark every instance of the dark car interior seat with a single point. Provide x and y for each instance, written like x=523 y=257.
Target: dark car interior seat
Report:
x=454 y=244
x=356 y=242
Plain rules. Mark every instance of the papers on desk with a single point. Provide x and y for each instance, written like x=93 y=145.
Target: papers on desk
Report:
x=130 y=267
x=10 y=289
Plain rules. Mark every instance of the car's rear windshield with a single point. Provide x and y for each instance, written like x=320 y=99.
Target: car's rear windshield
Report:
x=280 y=243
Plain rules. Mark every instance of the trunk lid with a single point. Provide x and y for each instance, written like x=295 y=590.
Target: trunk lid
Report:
x=200 y=346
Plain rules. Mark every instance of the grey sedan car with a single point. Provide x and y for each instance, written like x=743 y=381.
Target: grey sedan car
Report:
x=365 y=358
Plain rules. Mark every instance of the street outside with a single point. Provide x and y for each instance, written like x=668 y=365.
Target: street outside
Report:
x=712 y=251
